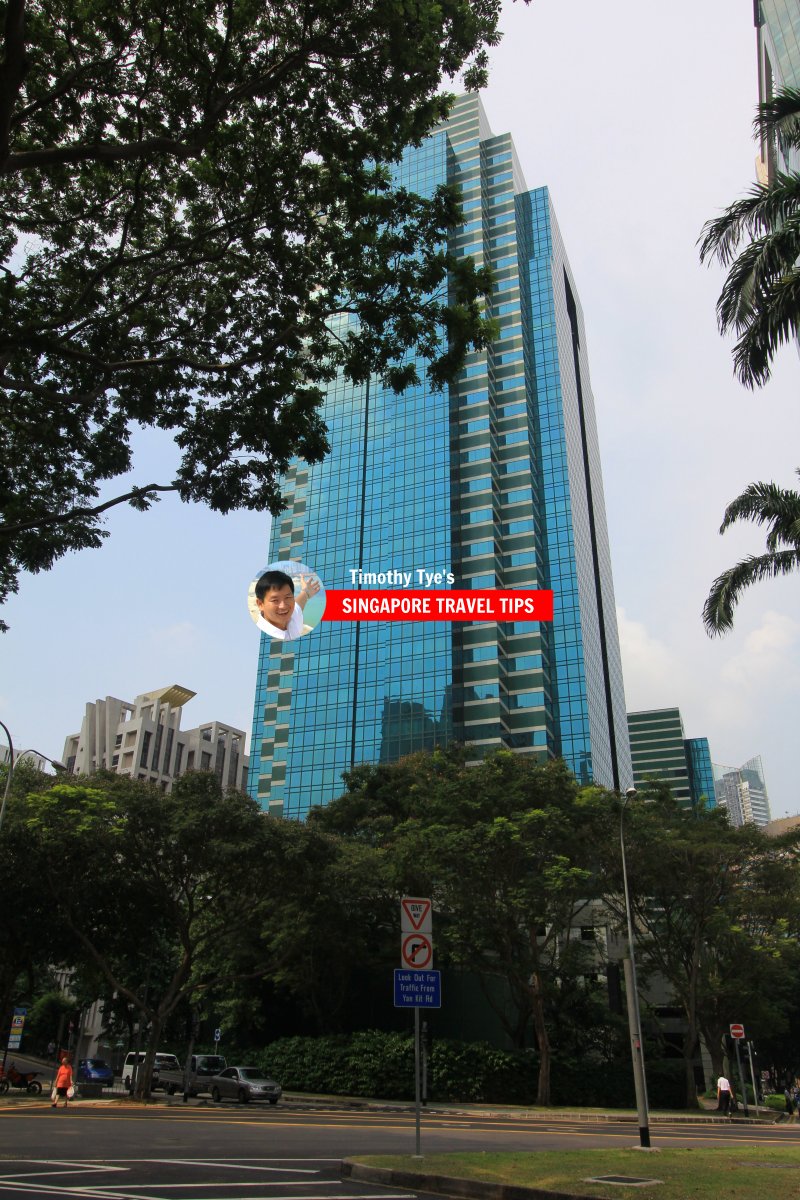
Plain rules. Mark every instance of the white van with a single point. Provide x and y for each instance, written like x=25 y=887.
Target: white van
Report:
x=163 y=1062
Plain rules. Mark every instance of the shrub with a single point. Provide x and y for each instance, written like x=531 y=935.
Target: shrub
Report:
x=381 y=1065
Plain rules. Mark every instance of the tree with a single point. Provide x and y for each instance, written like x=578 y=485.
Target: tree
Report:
x=706 y=911
x=334 y=928
x=33 y=938
x=506 y=850
x=760 y=301
x=766 y=504
x=163 y=894
x=200 y=230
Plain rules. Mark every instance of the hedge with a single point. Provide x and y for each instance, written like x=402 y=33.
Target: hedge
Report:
x=381 y=1065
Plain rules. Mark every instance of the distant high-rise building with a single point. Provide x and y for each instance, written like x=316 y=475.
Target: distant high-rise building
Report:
x=144 y=740
x=495 y=479
x=743 y=792
x=778 y=35
x=701 y=772
x=660 y=750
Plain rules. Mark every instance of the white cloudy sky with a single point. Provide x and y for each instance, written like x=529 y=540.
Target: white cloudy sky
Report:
x=637 y=115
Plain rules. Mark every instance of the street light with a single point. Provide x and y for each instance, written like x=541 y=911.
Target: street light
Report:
x=632 y=993
x=54 y=762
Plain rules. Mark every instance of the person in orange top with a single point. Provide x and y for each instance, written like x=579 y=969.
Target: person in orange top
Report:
x=63 y=1082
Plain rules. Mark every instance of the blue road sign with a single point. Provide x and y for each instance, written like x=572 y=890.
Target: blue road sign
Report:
x=417 y=989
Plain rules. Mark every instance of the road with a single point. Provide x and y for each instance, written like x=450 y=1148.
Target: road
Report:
x=292 y=1152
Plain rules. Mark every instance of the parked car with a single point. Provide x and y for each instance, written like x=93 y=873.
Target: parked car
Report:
x=162 y=1062
x=245 y=1084
x=94 y=1070
x=195 y=1077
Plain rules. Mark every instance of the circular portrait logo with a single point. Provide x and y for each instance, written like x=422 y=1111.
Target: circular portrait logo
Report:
x=286 y=600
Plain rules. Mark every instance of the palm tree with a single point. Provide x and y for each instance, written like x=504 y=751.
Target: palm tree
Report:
x=760 y=301
x=779 y=509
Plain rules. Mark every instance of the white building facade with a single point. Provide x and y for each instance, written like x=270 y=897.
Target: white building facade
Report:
x=144 y=740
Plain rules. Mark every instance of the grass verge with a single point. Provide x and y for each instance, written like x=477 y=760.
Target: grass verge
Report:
x=743 y=1173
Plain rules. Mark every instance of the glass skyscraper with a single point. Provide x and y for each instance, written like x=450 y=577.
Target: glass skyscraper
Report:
x=495 y=480
x=660 y=751
x=778 y=31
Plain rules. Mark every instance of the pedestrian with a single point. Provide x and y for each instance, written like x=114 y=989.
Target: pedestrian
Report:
x=51 y=1049
x=63 y=1086
x=724 y=1095
x=788 y=1101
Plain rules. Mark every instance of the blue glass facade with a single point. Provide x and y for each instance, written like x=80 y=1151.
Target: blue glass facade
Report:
x=778 y=26
x=701 y=772
x=496 y=479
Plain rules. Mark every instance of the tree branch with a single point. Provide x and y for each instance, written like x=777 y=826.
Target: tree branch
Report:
x=13 y=70
x=102 y=152
x=75 y=514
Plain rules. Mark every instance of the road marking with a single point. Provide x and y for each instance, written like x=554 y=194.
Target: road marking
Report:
x=76 y=1171
x=227 y=1183
x=232 y=1164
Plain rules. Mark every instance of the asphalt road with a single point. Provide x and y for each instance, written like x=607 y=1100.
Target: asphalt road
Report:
x=96 y=1151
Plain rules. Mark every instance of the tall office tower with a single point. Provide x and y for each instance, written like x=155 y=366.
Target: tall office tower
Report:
x=743 y=792
x=778 y=35
x=660 y=750
x=495 y=479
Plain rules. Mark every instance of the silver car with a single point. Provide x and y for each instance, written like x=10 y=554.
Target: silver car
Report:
x=244 y=1084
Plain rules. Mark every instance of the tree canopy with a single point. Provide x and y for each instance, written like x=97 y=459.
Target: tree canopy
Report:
x=142 y=882
x=507 y=849
x=200 y=230
x=711 y=903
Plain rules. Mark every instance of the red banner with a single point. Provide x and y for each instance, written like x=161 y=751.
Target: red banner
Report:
x=495 y=604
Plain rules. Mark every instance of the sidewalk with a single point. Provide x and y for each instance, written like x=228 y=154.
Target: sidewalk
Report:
x=119 y=1096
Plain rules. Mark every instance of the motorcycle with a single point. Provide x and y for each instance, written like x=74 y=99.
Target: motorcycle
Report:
x=20 y=1079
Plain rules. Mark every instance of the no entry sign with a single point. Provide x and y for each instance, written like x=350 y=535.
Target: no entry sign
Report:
x=737 y=1031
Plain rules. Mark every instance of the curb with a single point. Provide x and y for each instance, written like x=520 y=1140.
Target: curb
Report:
x=447 y=1185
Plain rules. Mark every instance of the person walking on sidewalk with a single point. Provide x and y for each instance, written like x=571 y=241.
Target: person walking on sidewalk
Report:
x=724 y=1095
x=63 y=1085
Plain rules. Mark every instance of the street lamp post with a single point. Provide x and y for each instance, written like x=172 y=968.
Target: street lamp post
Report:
x=632 y=994
x=12 y=761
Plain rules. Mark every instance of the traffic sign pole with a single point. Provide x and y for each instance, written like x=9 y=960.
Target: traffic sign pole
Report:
x=417 y=1088
x=414 y=985
x=753 y=1076
x=741 y=1076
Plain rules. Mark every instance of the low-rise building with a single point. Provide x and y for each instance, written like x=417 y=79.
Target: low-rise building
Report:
x=144 y=739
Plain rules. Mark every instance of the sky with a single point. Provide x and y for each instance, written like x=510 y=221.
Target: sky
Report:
x=638 y=118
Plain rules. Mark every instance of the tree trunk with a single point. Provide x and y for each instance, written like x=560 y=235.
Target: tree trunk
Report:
x=713 y=1042
x=540 y=1027
x=690 y=1038
x=689 y=1050
x=145 y=1076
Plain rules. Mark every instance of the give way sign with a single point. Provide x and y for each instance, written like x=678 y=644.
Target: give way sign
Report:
x=416 y=924
x=415 y=915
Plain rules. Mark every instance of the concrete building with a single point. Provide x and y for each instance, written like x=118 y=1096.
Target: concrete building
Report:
x=743 y=792
x=495 y=480
x=144 y=739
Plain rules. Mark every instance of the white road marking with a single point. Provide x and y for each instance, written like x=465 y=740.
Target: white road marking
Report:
x=230 y=1164
x=228 y=1183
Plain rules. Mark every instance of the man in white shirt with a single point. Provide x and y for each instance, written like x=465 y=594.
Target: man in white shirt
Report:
x=280 y=610
x=724 y=1095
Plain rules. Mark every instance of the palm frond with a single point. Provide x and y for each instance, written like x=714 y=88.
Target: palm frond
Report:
x=763 y=264
x=727 y=588
x=780 y=117
x=774 y=322
x=765 y=502
x=764 y=209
